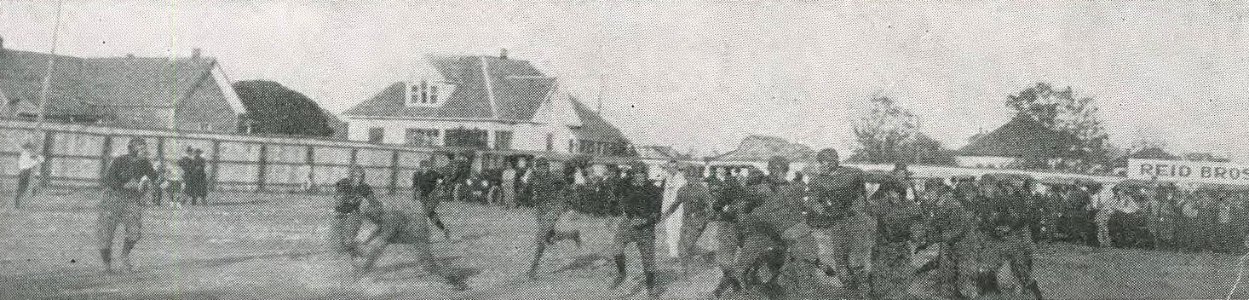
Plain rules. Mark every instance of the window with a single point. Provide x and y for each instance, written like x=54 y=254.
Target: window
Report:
x=588 y=147
x=550 y=142
x=424 y=92
x=469 y=138
x=421 y=137
x=376 y=134
x=433 y=94
x=503 y=140
x=572 y=146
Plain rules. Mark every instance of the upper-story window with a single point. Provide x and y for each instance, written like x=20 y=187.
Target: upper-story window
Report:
x=427 y=92
x=377 y=135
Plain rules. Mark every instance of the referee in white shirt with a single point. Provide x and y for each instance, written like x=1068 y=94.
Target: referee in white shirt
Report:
x=26 y=163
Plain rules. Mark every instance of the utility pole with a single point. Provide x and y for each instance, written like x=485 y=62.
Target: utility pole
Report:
x=601 y=86
x=47 y=77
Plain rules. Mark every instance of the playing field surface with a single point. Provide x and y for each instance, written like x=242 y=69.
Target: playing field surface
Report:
x=269 y=246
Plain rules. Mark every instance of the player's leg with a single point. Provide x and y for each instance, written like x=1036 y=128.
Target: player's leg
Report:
x=620 y=240
x=839 y=239
x=106 y=225
x=371 y=253
x=23 y=181
x=434 y=218
x=691 y=231
x=861 y=239
x=726 y=255
x=133 y=220
x=431 y=265
x=1021 y=265
x=546 y=229
x=646 y=249
x=344 y=228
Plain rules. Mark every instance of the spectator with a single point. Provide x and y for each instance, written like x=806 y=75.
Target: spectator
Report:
x=158 y=193
x=173 y=185
x=26 y=162
x=186 y=166
x=201 y=176
x=1207 y=218
x=507 y=185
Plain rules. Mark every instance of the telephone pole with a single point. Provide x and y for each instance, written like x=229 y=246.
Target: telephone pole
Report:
x=47 y=77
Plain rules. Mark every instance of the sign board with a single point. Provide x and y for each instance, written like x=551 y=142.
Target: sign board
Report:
x=1188 y=171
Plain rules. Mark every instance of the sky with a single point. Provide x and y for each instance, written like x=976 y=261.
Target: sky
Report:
x=702 y=75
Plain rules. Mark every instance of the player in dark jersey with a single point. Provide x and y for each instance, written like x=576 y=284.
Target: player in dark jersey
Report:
x=126 y=181
x=424 y=182
x=553 y=196
x=839 y=195
x=696 y=199
x=641 y=206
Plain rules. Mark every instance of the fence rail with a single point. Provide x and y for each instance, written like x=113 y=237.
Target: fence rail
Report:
x=77 y=155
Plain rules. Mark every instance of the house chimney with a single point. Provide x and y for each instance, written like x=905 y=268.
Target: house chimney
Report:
x=503 y=53
x=195 y=53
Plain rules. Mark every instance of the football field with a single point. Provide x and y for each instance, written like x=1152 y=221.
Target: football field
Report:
x=267 y=246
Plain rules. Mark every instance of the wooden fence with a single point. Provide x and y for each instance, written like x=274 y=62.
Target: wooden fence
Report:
x=76 y=156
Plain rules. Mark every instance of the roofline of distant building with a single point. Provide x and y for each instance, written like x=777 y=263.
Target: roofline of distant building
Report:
x=351 y=116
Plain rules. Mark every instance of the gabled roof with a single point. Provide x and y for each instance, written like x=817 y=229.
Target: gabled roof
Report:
x=1021 y=137
x=487 y=88
x=593 y=126
x=80 y=85
x=661 y=152
x=1153 y=153
x=762 y=148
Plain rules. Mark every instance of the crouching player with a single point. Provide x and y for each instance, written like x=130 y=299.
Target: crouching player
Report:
x=402 y=224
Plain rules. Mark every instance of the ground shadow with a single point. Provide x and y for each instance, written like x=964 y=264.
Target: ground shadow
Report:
x=583 y=262
x=252 y=202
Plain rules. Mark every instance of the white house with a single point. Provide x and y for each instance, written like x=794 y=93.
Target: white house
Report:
x=482 y=102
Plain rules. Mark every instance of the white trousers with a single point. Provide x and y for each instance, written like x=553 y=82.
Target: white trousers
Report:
x=672 y=226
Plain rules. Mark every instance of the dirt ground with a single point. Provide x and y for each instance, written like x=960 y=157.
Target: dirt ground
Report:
x=272 y=246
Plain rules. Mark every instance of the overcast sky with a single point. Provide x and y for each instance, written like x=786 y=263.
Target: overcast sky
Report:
x=703 y=75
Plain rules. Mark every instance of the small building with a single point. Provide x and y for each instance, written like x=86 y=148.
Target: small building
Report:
x=186 y=93
x=483 y=102
x=755 y=151
x=1011 y=143
x=656 y=157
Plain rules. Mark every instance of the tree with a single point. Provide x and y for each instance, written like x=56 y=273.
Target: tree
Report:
x=1061 y=110
x=275 y=109
x=888 y=133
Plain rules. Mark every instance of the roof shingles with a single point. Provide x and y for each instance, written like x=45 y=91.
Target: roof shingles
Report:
x=78 y=84
x=519 y=91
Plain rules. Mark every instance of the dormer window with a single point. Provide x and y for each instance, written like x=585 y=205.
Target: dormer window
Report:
x=427 y=93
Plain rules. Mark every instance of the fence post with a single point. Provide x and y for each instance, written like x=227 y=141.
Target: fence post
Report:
x=45 y=168
x=394 y=172
x=106 y=155
x=260 y=171
x=216 y=164
x=160 y=152
x=310 y=159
